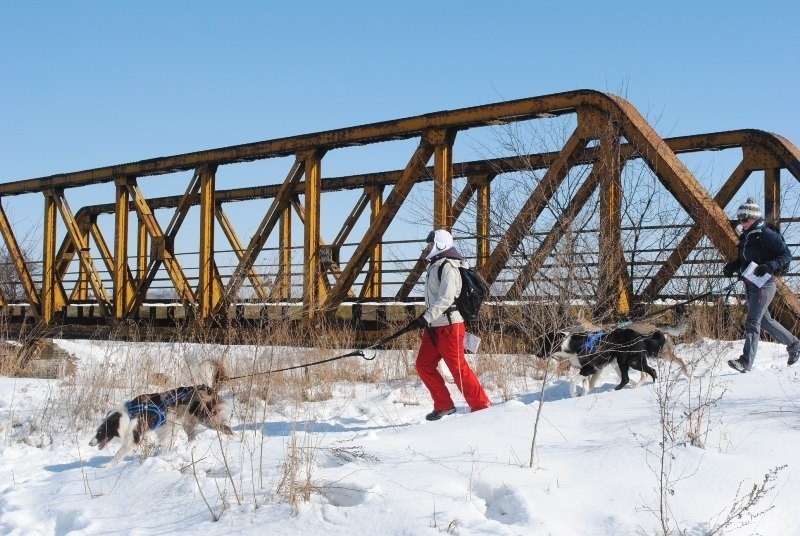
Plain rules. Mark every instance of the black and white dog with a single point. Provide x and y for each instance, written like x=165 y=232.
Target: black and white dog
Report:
x=625 y=348
x=188 y=406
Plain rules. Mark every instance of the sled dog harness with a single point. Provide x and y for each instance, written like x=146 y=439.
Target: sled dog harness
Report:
x=135 y=409
x=591 y=341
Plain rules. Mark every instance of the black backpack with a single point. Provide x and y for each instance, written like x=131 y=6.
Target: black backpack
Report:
x=757 y=236
x=473 y=291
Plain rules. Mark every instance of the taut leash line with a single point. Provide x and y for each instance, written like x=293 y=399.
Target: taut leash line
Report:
x=355 y=353
x=712 y=292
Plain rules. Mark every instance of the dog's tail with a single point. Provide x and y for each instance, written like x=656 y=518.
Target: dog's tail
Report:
x=214 y=373
x=221 y=375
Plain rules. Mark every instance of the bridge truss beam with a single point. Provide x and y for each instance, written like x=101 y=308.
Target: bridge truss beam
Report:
x=609 y=132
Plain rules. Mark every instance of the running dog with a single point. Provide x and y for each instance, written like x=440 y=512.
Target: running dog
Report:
x=625 y=348
x=188 y=406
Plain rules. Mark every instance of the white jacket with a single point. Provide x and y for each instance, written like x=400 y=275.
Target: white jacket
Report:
x=440 y=295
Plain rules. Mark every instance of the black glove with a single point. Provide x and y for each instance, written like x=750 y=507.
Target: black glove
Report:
x=729 y=270
x=418 y=323
x=762 y=269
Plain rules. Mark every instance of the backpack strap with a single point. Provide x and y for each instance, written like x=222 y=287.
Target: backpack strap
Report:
x=453 y=308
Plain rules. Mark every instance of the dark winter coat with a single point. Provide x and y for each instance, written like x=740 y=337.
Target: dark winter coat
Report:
x=761 y=244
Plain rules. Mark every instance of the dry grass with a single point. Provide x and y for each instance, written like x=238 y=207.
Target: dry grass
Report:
x=506 y=365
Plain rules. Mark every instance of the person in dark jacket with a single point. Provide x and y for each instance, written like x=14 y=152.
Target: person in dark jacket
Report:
x=443 y=333
x=766 y=248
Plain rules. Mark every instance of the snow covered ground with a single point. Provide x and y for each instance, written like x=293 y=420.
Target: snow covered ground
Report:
x=370 y=464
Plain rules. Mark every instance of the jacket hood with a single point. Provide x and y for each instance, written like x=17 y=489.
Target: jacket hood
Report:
x=449 y=253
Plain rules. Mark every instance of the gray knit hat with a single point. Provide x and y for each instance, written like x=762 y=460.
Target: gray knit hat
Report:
x=750 y=209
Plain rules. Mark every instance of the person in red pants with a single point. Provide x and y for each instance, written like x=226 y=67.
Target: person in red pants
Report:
x=443 y=330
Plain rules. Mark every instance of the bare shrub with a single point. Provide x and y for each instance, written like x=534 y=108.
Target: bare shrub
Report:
x=296 y=482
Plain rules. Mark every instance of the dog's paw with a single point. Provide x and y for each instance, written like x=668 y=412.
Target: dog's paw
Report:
x=111 y=463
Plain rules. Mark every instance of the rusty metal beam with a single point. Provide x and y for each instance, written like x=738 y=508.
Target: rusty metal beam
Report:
x=84 y=253
x=351 y=220
x=381 y=222
x=120 y=274
x=693 y=236
x=142 y=250
x=66 y=252
x=560 y=227
x=162 y=251
x=209 y=292
x=674 y=175
x=313 y=286
x=374 y=278
x=275 y=211
x=772 y=196
x=259 y=286
x=50 y=305
x=614 y=285
x=696 y=200
x=104 y=253
x=412 y=127
x=462 y=119
x=740 y=139
x=482 y=184
x=776 y=153
x=20 y=264
x=533 y=206
x=81 y=290
x=334 y=268
x=283 y=281
x=760 y=149
x=53 y=297
x=442 y=178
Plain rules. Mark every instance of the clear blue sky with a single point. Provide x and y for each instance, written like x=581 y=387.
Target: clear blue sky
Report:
x=88 y=84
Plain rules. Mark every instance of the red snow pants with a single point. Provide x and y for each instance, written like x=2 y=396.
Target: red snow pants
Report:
x=447 y=344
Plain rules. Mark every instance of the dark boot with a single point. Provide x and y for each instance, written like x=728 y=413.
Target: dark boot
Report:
x=436 y=415
x=738 y=364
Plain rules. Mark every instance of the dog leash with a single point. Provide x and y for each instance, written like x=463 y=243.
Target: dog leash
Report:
x=595 y=336
x=355 y=353
x=726 y=290
x=382 y=342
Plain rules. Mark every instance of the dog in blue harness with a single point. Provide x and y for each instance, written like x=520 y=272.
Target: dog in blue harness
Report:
x=187 y=406
x=625 y=348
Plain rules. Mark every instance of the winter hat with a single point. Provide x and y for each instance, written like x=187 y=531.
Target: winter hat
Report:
x=750 y=209
x=441 y=241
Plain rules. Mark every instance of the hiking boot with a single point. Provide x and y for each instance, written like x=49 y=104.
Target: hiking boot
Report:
x=793 y=357
x=436 y=415
x=736 y=364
